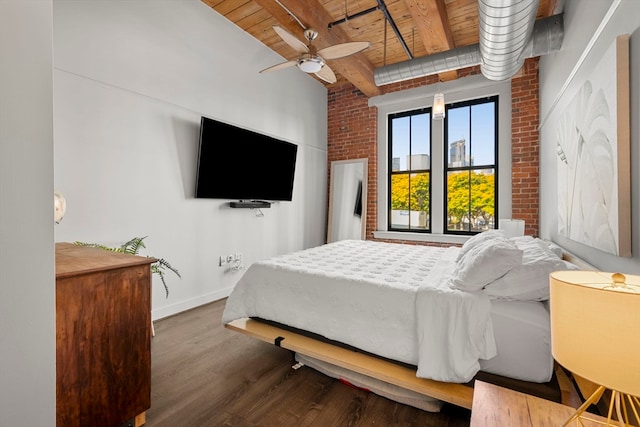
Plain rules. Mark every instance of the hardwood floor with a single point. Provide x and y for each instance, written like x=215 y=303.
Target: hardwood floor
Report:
x=205 y=375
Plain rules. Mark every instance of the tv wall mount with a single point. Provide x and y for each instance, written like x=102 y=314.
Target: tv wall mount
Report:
x=250 y=204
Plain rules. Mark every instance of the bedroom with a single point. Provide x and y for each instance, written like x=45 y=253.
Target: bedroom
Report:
x=137 y=129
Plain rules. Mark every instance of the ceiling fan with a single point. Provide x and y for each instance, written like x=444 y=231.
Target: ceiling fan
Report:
x=314 y=61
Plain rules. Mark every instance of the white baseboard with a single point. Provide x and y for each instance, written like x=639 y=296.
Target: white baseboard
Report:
x=181 y=306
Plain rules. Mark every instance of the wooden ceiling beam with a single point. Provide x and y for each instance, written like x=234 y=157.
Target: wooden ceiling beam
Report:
x=432 y=25
x=553 y=7
x=358 y=70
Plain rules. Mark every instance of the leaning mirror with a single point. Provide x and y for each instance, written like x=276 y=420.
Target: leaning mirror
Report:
x=347 y=200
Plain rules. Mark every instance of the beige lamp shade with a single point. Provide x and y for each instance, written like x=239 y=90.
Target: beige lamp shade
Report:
x=595 y=327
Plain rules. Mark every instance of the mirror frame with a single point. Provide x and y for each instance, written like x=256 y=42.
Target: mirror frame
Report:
x=332 y=191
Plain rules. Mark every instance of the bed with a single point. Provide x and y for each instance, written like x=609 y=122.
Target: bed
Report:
x=417 y=324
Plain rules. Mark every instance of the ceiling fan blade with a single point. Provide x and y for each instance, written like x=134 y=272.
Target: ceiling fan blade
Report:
x=280 y=66
x=291 y=40
x=326 y=74
x=343 y=49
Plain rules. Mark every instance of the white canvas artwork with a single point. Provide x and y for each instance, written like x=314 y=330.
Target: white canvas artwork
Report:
x=587 y=160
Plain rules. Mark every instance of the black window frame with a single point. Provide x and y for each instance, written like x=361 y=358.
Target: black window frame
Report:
x=390 y=174
x=446 y=169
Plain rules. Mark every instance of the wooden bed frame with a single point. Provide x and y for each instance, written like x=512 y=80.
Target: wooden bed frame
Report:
x=369 y=365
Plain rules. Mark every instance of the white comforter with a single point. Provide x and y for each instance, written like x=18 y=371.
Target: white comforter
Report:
x=392 y=300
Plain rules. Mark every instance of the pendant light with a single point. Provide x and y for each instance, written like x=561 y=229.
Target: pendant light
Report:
x=438 y=106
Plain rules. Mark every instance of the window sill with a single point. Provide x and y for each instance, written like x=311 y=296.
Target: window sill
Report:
x=421 y=237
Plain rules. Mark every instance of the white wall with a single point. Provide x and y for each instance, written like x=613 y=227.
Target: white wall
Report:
x=581 y=22
x=27 y=283
x=131 y=81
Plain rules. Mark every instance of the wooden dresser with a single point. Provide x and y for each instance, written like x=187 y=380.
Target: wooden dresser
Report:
x=103 y=333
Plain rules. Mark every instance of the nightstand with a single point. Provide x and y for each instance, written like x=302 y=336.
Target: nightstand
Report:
x=495 y=406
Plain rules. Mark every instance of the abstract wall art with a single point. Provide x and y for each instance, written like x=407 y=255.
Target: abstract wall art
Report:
x=593 y=154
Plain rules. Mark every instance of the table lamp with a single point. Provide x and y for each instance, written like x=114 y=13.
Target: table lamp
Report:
x=512 y=227
x=595 y=333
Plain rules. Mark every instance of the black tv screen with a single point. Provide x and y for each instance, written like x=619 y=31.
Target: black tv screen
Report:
x=240 y=164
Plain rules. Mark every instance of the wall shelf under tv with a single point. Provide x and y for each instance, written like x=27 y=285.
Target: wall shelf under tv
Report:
x=250 y=204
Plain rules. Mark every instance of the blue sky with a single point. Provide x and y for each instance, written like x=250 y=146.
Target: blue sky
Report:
x=481 y=136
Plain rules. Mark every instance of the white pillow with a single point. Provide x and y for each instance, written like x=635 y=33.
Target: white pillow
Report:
x=485 y=262
x=521 y=239
x=537 y=249
x=479 y=239
x=529 y=281
x=556 y=249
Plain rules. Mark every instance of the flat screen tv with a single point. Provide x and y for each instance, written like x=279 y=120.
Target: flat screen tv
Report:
x=240 y=164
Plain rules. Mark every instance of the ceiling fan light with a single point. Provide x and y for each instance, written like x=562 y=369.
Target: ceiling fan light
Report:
x=310 y=65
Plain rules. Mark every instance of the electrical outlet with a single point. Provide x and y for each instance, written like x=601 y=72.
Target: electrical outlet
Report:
x=233 y=260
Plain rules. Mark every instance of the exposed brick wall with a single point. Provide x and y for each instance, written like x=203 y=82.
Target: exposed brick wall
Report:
x=525 y=147
x=352 y=134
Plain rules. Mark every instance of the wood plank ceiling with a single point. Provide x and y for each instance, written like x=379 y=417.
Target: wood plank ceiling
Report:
x=426 y=26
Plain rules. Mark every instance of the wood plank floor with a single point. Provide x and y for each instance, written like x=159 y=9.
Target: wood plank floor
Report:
x=205 y=375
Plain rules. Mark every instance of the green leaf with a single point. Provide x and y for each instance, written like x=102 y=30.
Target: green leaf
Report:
x=132 y=247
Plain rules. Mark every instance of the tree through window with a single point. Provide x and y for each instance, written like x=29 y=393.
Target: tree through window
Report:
x=410 y=170
x=471 y=164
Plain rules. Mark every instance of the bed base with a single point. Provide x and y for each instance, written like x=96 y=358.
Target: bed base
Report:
x=362 y=363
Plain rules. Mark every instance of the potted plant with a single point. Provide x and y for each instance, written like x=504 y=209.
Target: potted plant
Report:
x=132 y=247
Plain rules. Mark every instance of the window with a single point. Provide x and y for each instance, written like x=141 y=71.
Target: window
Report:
x=410 y=170
x=406 y=109
x=470 y=131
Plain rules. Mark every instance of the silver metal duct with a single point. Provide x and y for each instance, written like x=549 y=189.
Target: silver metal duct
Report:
x=424 y=66
x=546 y=38
x=505 y=28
